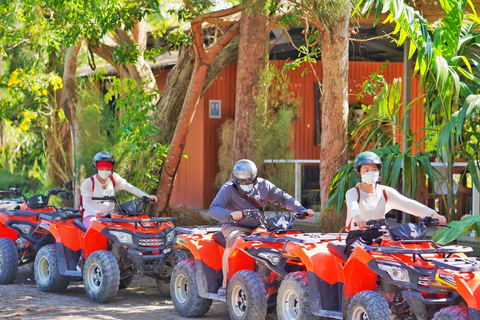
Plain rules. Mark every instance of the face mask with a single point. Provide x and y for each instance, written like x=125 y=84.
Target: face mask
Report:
x=246 y=187
x=370 y=177
x=104 y=174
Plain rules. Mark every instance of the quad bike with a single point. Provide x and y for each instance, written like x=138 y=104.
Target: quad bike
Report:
x=9 y=203
x=19 y=242
x=399 y=276
x=255 y=267
x=109 y=253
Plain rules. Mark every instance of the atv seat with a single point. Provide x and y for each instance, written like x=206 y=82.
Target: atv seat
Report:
x=219 y=238
x=338 y=248
x=80 y=225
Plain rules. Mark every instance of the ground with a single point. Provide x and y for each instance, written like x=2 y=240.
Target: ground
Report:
x=22 y=300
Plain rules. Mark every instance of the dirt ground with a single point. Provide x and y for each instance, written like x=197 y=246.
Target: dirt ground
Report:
x=22 y=300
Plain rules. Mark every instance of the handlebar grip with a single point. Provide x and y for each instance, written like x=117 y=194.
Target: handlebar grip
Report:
x=301 y=215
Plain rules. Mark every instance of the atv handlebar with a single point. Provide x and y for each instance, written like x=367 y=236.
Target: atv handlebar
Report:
x=12 y=192
x=374 y=223
x=55 y=191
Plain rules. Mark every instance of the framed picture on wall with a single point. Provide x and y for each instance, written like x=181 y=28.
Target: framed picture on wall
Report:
x=215 y=109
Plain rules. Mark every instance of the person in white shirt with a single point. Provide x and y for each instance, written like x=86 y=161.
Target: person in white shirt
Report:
x=104 y=183
x=371 y=200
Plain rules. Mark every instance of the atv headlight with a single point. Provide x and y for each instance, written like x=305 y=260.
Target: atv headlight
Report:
x=273 y=258
x=171 y=236
x=122 y=236
x=396 y=273
x=25 y=228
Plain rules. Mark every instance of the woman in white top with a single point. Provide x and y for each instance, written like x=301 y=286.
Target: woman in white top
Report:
x=371 y=200
x=104 y=183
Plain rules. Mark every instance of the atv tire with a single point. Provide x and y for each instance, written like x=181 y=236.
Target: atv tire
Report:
x=126 y=282
x=173 y=259
x=451 y=313
x=8 y=261
x=184 y=291
x=246 y=296
x=369 y=305
x=46 y=272
x=101 y=276
x=292 y=299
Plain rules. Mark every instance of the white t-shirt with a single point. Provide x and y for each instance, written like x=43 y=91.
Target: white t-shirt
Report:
x=92 y=206
x=373 y=206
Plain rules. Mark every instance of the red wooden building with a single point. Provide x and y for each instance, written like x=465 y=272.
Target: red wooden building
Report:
x=194 y=184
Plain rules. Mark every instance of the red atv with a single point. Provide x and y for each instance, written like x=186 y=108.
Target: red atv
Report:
x=255 y=268
x=18 y=240
x=109 y=253
x=400 y=276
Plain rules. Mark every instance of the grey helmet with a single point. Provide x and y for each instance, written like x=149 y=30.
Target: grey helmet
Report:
x=245 y=172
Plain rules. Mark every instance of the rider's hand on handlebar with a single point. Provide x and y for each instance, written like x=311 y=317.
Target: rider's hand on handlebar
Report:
x=310 y=213
x=236 y=215
x=153 y=197
x=99 y=215
x=361 y=224
x=441 y=219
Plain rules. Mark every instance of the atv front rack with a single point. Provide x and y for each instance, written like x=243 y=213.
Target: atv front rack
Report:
x=312 y=237
x=458 y=264
x=141 y=222
x=395 y=249
x=198 y=229
x=58 y=216
x=265 y=238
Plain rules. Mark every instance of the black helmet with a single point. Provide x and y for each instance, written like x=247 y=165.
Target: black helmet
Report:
x=366 y=157
x=244 y=172
x=103 y=156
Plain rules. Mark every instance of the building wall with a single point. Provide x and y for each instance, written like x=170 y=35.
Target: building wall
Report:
x=194 y=184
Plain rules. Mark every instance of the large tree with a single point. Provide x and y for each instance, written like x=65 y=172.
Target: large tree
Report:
x=204 y=58
x=327 y=31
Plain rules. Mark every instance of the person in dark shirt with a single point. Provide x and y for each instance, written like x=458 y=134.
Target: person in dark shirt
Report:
x=231 y=200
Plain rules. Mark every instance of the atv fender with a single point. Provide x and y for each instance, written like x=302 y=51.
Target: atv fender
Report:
x=469 y=289
x=6 y=232
x=203 y=248
x=358 y=276
x=239 y=259
x=94 y=240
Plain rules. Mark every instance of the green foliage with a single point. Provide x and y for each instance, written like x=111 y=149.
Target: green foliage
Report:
x=137 y=153
x=457 y=230
x=386 y=111
x=18 y=180
x=273 y=127
x=97 y=125
x=448 y=72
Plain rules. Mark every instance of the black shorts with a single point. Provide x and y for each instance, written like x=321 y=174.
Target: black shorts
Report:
x=359 y=238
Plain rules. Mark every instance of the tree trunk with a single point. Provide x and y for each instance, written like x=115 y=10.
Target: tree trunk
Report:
x=177 y=83
x=203 y=61
x=334 y=101
x=170 y=166
x=58 y=144
x=70 y=103
x=252 y=59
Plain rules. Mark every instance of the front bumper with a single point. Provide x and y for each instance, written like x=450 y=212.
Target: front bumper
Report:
x=149 y=264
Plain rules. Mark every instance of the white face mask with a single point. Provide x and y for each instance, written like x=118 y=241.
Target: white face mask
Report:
x=104 y=174
x=246 y=187
x=370 y=177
